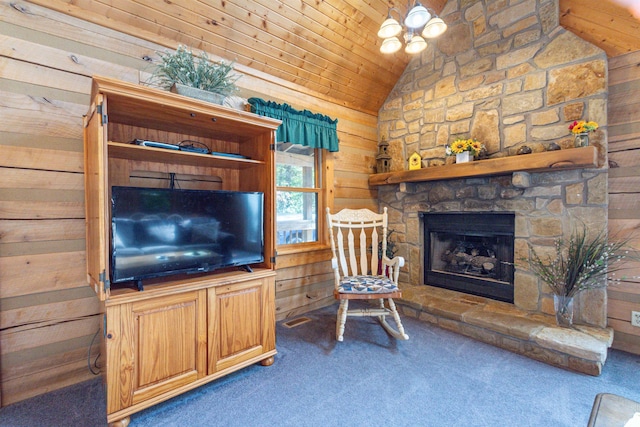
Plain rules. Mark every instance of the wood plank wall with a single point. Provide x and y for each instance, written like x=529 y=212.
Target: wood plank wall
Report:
x=48 y=315
x=624 y=190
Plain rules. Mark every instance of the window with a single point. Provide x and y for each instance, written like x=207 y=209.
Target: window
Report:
x=299 y=193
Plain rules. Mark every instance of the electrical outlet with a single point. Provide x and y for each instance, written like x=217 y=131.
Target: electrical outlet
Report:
x=635 y=318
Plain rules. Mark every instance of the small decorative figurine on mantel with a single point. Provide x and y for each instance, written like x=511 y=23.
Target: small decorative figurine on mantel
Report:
x=383 y=159
x=415 y=161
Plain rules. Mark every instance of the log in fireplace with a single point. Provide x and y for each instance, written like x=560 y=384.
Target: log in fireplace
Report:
x=470 y=252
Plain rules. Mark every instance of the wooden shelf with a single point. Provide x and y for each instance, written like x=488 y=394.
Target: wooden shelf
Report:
x=162 y=155
x=583 y=157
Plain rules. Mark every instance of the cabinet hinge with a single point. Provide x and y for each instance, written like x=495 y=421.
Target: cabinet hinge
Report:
x=103 y=116
x=104 y=325
x=273 y=260
x=272 y=147
x=105 y=282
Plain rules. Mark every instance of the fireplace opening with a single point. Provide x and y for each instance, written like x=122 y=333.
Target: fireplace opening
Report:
x=470 y=252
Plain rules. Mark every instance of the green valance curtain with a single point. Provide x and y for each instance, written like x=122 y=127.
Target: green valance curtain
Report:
x=299 y=127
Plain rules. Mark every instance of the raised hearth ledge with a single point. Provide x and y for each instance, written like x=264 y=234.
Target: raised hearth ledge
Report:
x=572 y=158
x=534 y=335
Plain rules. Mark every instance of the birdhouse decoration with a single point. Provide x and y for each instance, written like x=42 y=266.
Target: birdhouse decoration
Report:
x=415 y=161
x=383 y=159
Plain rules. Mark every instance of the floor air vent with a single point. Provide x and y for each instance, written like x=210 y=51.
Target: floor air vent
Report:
x=296 y=322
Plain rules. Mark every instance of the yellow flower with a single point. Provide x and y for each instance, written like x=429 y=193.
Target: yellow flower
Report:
x=476 y=146
x=458 y=146
x=583 y=126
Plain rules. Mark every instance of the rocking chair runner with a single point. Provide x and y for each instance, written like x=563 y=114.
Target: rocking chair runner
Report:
x=357 y=278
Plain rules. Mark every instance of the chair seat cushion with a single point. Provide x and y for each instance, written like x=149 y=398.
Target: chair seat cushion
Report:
x=366 y=284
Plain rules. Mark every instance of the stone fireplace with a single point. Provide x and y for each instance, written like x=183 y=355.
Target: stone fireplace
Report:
x=544 y=209
x=507 y=75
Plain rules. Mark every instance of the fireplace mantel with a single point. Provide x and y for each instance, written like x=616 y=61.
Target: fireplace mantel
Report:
x=583 y=157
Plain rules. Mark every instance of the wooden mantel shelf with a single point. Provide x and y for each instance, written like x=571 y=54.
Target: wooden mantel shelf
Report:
x=583 y=157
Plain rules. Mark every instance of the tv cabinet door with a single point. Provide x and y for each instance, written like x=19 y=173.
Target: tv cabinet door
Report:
x=241 y=322
x=96 y=199
x=161 y=346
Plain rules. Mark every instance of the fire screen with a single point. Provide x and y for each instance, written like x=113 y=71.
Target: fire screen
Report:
x=470 y=252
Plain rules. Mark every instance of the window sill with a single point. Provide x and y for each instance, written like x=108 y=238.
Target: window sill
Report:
x=301 y=248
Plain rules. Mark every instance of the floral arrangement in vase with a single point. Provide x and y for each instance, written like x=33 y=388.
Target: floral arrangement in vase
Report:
x=581 y=263
x=464 y=148
x=580 y=130
x=582 y=126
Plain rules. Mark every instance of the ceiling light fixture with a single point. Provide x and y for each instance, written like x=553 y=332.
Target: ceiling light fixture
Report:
x=420 y=23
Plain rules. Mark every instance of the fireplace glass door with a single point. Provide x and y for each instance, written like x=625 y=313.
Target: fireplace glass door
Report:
x=470 y=252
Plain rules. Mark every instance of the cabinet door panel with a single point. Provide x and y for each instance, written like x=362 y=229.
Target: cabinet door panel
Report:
x=236 y=324
x=163 y=345
x=167 y=342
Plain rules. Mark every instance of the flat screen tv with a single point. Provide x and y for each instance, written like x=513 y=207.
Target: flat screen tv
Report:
x=161 y=232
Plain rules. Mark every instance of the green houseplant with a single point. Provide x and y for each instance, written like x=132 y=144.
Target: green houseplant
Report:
x=182 y=69
x=580 y=264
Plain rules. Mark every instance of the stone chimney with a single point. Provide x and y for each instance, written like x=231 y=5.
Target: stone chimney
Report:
x=507 y=75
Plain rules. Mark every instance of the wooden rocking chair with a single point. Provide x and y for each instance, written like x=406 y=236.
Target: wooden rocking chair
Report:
x=357 y=278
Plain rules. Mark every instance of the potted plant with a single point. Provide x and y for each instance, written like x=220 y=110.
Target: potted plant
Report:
x=464 y=149
x=182 y=72
x=580 y=264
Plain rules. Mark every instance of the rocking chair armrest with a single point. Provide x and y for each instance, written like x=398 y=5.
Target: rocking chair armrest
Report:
x=396 y=261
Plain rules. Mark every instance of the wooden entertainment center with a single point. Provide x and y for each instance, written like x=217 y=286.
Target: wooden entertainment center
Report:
x=180 y=332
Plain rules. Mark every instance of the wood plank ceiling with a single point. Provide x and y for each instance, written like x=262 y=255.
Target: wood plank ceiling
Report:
x=328 y=49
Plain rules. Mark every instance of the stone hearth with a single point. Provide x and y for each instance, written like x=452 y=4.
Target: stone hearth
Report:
x=582 y=349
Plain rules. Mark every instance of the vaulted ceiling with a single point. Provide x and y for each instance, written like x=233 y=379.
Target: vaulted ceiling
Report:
x=328 y=49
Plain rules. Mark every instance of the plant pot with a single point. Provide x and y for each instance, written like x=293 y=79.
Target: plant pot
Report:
x=192 y=92
x=563 y=306
x=464 y=157
x=581 y=139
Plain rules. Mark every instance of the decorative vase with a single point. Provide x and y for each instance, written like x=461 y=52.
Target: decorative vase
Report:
x=563 y=306
x=192 y=92
x=464 y=157
x=581 y=139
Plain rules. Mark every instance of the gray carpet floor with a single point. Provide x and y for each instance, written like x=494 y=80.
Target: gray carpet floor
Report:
x=437 y=378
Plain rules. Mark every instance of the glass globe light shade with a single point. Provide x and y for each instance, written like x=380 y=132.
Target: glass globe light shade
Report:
x=389 y=28
x=417 y=17
x=416 y=45
x=434 y=28
x=390 y=45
